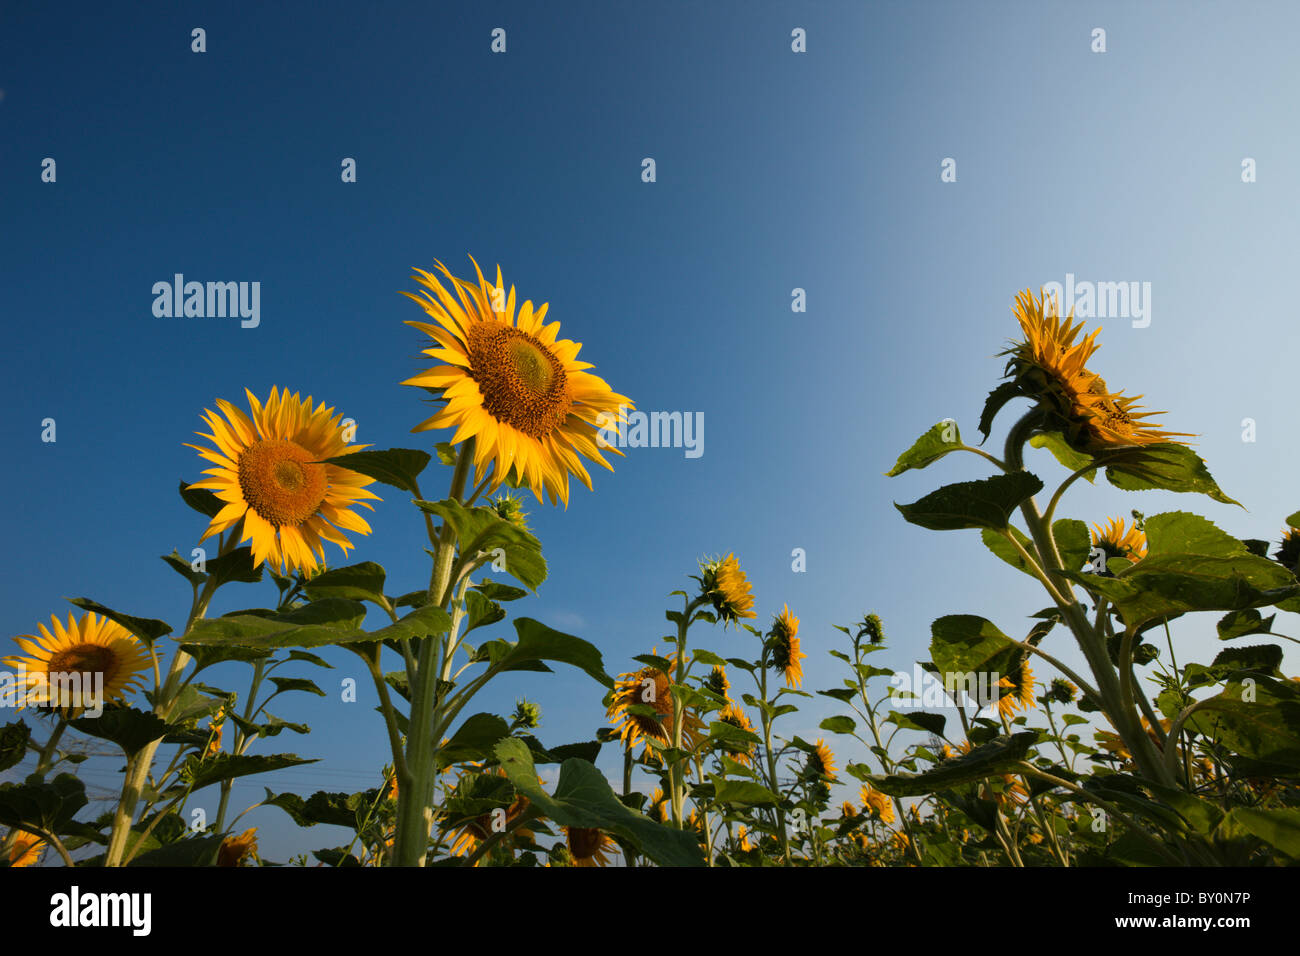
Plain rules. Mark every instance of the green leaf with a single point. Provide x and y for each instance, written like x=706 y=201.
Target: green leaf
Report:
x=929 y=448
x=147 y=629
x=474 y=740
x=324 y=622
x=236 y=565
x=965 y=647
x=1265 y=729
x=583 y=798
x=919 y=720
x=1180 y=532
x=1170 y=467
x=335 y=809
x=537 y=642
x=998 y=756
x=722 y=732
x=13 y=744
x=270 y=728
x=1073 y=542
x=499 y=592
x=1003 y=548
x=285 y=684
x=1279 y=828
x=839 y=724
x=200 y=772
x=993 y=404
x=183 y=568
x=50 y=806
x=130 y=729
x=1243 y=623
x=397 y=467
x=1165 y=585
x=1258 y=657
x=195 y=851
x=480 y=532
x=743 y=792
x=356 y=582
x=201 y=500
x=205 y=655
x=481 y=611
x=1069 y=458
x=987 y=503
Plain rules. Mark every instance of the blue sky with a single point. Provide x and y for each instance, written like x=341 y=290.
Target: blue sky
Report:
x=775 y=170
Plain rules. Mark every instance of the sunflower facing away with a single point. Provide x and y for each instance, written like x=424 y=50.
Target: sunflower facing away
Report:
x=1119 y=542
x=235 y=849
x=785 y=647
x=649 y=687
x=821 y=760
x=733 y=715
x=1020 y=683
x=270 y=474
x=89 y=647
x=589 y=847
x=1051 y=366
x=877 y=804
x=727 y=588
x=511 y=384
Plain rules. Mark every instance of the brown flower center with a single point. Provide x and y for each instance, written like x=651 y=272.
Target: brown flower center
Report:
x=85 y=659
x=584 y=844
x=523 y=383
x=281 y=482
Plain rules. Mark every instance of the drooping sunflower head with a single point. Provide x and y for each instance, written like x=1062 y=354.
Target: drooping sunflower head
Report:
x=271 y=474
x=641 y=708
x=717 y=682
x=737 y=718
x=69 y=666
x=872 y=629
x=1120 y=542
x=27 y=849
x=511 y=384
x=235 y=849
x=821 y=762
x=876 y=804
x=657 y=809
x=1019 y=685
x=1288 y=552
x=1062 y=691
x=727 y=589
x=589 y=847
x=1050 y=364
x=784 y=642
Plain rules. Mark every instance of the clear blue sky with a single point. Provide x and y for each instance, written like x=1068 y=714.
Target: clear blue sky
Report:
x=775 y=170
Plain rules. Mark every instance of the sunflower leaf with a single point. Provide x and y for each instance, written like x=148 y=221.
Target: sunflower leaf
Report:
x=201 y=500
x=183 y=568
x=355 y=582
x=1073 y=542
x=236 y=565
x=1169 y=467
x=199 y=772
x=397 y=467
x=998 y=756
x=973 y=504
x=929 y=448
x=474 y=740
x=1005 y=550
x=993 y=404
x=147 y=629
x=583 y=798
x=485 y=536
x=1069 y=458
x=13 y=744
x=50 y=806
x=1243 y=623
x=130 y=729
x=538 y=643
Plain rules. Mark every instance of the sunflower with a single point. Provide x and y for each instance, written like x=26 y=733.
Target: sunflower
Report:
x=658 y=808
x=26 y=850
x=717 y=682
x=1050 y=366
x=234 y=850
x=1021 y=684
x=877 y=804
x=1118 y=542
x=649 y=687
x=821 y=761
x=1062 y=691
x=736 y=717
x=785 y=647
x=1288 y=552
x=510 y=384
x=72 y=662
x=727 y=588
x=742 y=839
x=271 y=475
x=589 y=847
x=481 y=827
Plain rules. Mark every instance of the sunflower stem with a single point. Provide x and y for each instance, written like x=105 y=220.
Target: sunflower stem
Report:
x=415 y=801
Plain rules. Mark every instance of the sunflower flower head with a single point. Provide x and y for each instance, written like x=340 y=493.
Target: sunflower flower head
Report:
x=91 y=661
x=1020 y=686
x=235 y=849
x=1288 y=552
x=1050 y=365
x=872 y=629
x=589 y=847
x=727 y=589
x=821 y=762
x=1117 y=541
x=717 y=682
x=509 y=382
x=737 y=718
x=641 y=709
x=1062 y=691
x=876 y=804
x=271 y=474
x=27 y=849
x=784 y=643
x=527 y=715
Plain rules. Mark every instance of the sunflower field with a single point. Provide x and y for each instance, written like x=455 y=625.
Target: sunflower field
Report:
x=1014 y=759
